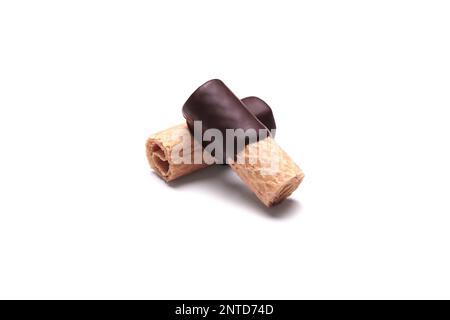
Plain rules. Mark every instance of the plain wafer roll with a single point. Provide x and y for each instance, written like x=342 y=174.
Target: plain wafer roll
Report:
x=160 y=147
x=272 y=175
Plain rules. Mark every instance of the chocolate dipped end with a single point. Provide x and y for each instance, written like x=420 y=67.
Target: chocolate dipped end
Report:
x=261 y=110
x=215 y=105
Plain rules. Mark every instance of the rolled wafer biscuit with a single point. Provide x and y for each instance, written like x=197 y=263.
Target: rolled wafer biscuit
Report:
x=160 y=147
x=261 y=164
x=271 y=182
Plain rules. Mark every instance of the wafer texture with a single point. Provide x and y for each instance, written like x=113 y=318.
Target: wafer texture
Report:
x=263 y=166
x=160 y=153
x=268 y=171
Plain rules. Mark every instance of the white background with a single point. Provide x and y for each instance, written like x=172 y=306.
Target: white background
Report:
x=360 y=91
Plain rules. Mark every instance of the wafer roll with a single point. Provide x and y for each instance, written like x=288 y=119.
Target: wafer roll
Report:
x=161 y=147
x=271 y=174
x=262 y=165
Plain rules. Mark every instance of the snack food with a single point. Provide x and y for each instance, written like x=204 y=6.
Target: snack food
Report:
x=160 y=147
x=261 y=164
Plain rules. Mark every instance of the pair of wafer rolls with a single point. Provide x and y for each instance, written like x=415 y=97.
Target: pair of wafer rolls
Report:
x=162 y=147
x=261 y=164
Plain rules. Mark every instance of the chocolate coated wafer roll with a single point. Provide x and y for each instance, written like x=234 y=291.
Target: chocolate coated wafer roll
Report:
x=215 y=107
x=262 y=165
x=160 y=146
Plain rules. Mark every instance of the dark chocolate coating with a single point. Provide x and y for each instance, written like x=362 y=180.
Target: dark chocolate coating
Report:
x=217 y=107
x=261 y=110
